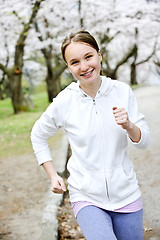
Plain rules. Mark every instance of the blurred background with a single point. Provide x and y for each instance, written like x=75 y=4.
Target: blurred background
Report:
x=32 y=71
x=31 y=33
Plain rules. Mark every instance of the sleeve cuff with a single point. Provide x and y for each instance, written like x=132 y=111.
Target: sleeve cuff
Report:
x=144 y=141
x=43 y=156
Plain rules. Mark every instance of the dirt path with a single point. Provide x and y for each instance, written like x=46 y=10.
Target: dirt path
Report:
x=23 y=194
x=147 y=163
x=24 y=184
x=22 y=187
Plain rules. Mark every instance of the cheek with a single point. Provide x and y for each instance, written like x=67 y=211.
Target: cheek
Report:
x=74 y=70
x=98 y=64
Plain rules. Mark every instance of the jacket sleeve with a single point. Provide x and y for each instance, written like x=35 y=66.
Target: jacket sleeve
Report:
x=46 y=126
x=139 y=120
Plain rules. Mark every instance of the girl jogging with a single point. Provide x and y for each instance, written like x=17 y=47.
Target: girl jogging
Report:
x=99 y=116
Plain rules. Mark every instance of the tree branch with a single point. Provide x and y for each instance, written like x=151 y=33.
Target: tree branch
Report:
x=157 y=63
x=147 y=59
x=3 y=68
x=35 y=9
x=80 y=14
x=19 y=51
x=59 y=70
x=20 y=19
x=107 y=39
x=125 y=58
x=38 y=31
x=44 y=50
x=48 y=32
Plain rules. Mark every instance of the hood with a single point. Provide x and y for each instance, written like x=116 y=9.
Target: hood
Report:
x=106 y=86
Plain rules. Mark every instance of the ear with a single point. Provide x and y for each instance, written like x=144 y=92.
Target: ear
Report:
x=100 y=56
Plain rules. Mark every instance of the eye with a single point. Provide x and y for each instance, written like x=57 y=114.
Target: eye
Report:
x=74 y=62
x=89 y=56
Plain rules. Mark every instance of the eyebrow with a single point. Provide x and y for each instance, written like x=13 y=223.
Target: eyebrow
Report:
x=72 y=60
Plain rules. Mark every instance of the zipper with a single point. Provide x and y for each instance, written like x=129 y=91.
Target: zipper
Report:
x=107 y=190
x=94 y=103
x=101 y=138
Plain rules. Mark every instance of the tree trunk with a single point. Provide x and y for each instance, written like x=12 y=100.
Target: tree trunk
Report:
x=1 y=93
x=133 y=76
x=15 y=76
x=53 y=79
x=16 y=90
x=80 y=14
x=53 y=87
x=111 y=73
x=53 y=73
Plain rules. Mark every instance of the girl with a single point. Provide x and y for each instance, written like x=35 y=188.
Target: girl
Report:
x=99 y=115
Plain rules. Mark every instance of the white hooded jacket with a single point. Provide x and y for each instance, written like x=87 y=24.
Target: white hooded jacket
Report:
x=100 y=169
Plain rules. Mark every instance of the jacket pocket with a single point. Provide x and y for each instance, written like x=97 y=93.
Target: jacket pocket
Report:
x=94 y=185
x=121 y=185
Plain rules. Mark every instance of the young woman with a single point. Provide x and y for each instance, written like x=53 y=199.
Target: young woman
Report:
x=99 y=115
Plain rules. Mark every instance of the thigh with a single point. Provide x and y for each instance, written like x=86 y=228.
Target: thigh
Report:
x=95 y=223
x=128 y=225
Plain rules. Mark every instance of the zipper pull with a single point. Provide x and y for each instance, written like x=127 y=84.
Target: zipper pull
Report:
x=94 y=103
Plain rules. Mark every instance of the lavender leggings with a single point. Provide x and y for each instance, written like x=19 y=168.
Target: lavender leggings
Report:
x=99 y=224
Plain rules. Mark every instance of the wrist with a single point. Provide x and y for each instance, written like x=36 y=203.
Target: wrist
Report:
x=51 y=172
x=53 y=176
x=129 y=126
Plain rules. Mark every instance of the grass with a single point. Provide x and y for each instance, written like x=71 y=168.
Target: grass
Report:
x=15 y=129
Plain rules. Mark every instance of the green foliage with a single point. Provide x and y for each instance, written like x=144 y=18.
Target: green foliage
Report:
x=15 y=129
x=5 y=108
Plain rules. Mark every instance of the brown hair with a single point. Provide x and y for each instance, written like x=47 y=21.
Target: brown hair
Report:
x=80 y=36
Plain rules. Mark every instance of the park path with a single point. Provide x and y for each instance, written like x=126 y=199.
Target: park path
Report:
x=25 y=198
x=24 y=185
x=147 y=162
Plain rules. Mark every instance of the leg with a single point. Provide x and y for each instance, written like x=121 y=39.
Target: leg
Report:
x=95 y=223
x=128 y=225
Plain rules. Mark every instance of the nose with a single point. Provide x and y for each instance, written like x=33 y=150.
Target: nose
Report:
x=84 y=66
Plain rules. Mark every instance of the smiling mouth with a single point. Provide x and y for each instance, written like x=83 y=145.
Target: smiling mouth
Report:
x=87 y=74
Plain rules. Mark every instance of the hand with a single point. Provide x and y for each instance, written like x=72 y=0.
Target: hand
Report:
x=121 y=117
x=57 y=184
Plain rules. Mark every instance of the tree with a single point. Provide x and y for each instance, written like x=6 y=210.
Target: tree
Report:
x=114 y=24
x=14 y=73
x=53 y=72
x=112 y=71
x=51 y=25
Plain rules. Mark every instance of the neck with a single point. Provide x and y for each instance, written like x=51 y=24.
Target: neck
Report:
x=92 y=88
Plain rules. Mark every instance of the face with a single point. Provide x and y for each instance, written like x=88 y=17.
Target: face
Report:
x=84 y=62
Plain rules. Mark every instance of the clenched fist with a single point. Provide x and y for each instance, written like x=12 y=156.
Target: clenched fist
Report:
x=121 y=117
x=57 y=184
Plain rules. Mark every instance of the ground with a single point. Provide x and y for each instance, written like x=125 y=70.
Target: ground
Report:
x=24 y=185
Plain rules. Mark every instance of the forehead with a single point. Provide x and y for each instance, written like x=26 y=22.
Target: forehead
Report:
x=77 y=49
